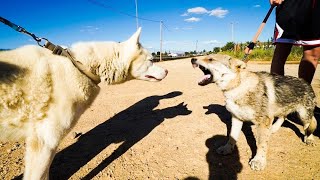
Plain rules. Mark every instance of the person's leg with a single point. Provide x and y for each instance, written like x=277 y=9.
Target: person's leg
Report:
x=309 y=62
x=280 y=56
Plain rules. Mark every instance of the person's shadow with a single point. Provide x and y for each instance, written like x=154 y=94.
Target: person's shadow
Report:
x=129 y=127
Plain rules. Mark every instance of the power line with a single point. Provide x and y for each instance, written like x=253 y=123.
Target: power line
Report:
x=120 y=12
x=165 y=26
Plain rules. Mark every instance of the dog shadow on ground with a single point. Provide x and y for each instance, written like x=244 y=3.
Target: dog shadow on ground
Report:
x=220 y=166
x=129 y=126
x=225 y=117
x=317 y=131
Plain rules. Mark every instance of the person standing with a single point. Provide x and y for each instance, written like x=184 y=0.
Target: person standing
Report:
x=297 y=23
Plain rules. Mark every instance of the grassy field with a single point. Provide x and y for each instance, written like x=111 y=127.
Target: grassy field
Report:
x=260 y=54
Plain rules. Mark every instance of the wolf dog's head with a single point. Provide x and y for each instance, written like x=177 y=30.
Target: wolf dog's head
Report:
x=220 y=69
x=117 y=62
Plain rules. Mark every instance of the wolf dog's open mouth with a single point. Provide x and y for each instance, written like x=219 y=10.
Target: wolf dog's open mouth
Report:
x=152 y=77
x=207 y=78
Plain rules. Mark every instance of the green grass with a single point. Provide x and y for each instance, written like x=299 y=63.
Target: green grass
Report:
x=259 y=54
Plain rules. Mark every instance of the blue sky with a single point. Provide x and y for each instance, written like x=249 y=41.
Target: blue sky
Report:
x=188 y=24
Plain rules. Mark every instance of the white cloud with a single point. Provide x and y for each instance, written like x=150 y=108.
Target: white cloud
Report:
x=192 y=19
x=89 y=29
x=219 y=12
x=211 y=42
x=197 y=10
x=169 y=42
x=186 y=28
x=257 y=6
x=182 y=28
x=184 y=14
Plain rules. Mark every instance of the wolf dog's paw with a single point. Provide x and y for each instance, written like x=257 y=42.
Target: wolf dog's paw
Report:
x=226 y=149
x=309 y=141
x=258 y=163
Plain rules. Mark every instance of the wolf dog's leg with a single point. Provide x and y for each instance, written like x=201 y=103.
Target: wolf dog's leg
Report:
x=259 y=161
x=309 y=124
x=38 y=158
x=309 y=128
x=236 y=126
x=276 y=126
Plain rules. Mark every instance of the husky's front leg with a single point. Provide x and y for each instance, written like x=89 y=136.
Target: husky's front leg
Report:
x=38 y=158
x=259 y=161
x=236 y=126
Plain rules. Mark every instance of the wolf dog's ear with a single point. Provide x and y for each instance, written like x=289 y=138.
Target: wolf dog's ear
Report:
x=135 y=37
x=237 y=64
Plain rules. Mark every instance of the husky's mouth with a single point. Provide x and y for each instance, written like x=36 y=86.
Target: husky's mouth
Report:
x=207 y=78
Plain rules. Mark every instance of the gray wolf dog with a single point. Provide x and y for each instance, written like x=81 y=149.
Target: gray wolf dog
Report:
x=43 y=95
x=260 y=98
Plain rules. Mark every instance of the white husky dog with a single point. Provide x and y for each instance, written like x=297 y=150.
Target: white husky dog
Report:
x=43 y=95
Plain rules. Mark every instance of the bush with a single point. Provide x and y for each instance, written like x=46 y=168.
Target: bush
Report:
x=260 y=54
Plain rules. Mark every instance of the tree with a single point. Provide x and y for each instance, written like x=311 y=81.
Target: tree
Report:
x=216 y=49
x=228 y=46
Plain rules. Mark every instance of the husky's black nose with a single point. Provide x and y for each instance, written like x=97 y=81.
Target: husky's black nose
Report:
x=193 y=60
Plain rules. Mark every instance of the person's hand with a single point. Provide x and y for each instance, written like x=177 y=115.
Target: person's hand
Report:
x=276 y=2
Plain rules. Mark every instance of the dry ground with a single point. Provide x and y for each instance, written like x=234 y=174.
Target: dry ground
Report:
x=169 y=130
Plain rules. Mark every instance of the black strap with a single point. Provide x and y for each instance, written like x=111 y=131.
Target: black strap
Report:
x=58 y=50
x=20 y=29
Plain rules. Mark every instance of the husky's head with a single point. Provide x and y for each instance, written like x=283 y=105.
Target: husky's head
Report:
x=116 y=62
x=220 y=69
x=141 y=61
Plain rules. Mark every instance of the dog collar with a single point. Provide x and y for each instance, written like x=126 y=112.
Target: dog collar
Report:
x=58 y=50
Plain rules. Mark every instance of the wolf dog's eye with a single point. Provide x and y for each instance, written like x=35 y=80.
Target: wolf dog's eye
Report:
x=210 y=59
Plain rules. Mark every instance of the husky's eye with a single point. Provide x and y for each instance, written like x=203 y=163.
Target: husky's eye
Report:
x=210 y=59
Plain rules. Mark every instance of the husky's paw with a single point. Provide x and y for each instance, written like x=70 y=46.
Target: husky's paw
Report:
x=258 y=163
x=226 y=149
x=309 y=141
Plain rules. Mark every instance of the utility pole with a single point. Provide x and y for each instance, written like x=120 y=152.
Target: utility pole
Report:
x=232 y=32
x=161 y=40
x=232 y=36
x=196 y=46
x=136 y=2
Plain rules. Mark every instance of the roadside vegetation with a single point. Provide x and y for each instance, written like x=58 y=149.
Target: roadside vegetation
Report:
x=263 y=51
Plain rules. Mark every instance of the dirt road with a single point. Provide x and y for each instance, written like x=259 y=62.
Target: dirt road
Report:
x=169 y=130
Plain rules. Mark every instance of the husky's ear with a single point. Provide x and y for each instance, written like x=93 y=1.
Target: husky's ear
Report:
x=237 y=64
x=134 y=39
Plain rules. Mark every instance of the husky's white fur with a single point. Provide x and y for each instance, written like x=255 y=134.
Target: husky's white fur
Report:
x=43 y=95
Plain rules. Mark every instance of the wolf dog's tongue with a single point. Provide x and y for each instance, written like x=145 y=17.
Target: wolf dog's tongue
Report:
x=205 y=80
